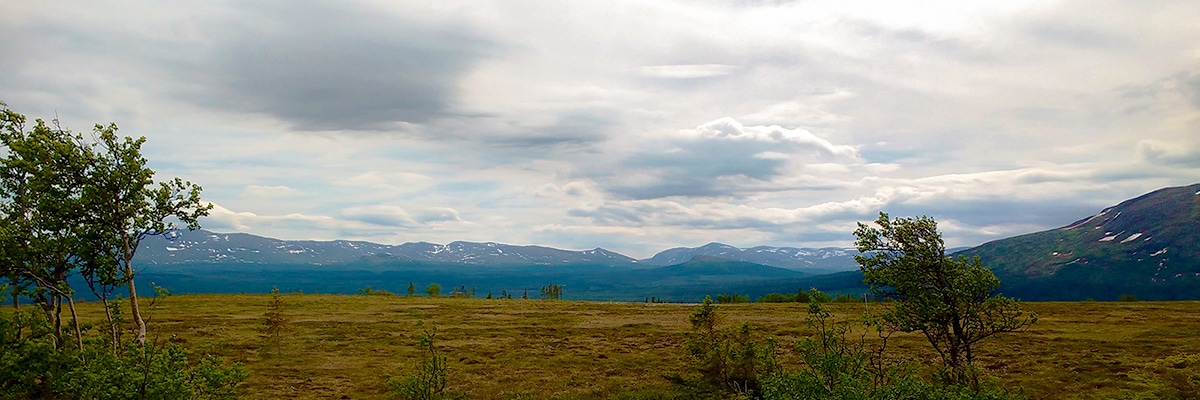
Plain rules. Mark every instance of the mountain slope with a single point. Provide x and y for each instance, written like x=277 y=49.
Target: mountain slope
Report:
x=823 y=260
x=1148 y=246
x=208 y=247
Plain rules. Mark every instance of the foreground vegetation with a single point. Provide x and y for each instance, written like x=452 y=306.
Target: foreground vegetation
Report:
x=338 y=345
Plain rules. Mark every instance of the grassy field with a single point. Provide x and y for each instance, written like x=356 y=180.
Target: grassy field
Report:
x=340 y=346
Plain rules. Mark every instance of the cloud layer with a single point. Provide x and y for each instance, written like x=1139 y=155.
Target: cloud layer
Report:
x=634 y=126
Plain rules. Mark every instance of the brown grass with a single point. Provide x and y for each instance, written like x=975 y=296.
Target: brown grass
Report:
x=345 y=346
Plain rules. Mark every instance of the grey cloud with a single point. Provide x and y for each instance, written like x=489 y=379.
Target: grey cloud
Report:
x=803 y=237
x=1001 y=211
x=719 y=158
x=433 y=215
x=1058 y=31
x=638 y=216
x=1189 y=84
x=703 y=169
x=382 y=219
x=335 y=66
x=1169 y=155
x=576 y=129
x=393 y=216
x=920 y=40
x=609 y=215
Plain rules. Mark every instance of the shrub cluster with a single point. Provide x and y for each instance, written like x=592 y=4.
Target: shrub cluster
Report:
x=31 y=367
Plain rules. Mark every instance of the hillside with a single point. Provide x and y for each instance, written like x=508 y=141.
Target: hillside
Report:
x=1148 y=247
x=810 y=260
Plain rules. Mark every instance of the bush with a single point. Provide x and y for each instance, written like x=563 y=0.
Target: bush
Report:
x=732 y=298
x=274 y=322
x=733 y=361
x=367 y=291
x=777 y=298
x=30 y=367
x=428 y=380
x=840 y=367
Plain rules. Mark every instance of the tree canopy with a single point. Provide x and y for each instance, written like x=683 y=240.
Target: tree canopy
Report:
x=76 y=204
x=952 y=301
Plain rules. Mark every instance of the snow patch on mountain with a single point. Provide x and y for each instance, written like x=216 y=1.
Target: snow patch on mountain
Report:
x=1132 y=237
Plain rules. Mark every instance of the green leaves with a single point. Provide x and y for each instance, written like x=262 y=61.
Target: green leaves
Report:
x=71 y=204
x=952 y=301
x=427 y=381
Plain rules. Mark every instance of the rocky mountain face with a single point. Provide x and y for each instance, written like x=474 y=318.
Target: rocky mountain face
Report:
x=1148 y=246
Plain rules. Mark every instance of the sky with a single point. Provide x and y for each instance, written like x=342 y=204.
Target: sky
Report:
x=635 y=126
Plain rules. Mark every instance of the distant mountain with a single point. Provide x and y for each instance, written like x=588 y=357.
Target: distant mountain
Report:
x=207 y=262
x=233 y=248
x=822 y=260
x=241 y=248
x=1148 y=247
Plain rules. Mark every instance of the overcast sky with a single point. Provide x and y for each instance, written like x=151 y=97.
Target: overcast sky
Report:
x=630 y=125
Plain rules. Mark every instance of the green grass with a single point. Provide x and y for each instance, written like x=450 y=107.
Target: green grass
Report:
x=339 y=346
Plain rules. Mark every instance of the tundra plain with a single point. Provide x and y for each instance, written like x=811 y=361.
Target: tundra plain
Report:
x=345 y=346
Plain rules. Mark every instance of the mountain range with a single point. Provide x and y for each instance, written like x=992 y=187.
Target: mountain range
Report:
x=234 y=248
x=1148 y=247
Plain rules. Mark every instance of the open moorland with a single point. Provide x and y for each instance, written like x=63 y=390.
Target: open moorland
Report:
x=344 y=346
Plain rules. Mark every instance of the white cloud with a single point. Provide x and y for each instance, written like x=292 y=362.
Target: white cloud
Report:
x=268 y=191
x=691 y=71
x=732 y=130
x=579 y=124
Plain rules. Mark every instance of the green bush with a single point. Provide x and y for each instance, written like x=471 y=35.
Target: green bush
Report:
x=732 y=298
x=428 y=380
x=30 y=367
x=777 y=298
x=729 y=360
x=839 y=367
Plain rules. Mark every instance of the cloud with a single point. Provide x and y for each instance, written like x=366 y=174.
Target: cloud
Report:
x=358 y=222
x=391 y=216
x=268 y=191
x=334 y=66
x=221 y=218
x=584 y=124
x=687 y=71
x=730 y=129
x=1168 y=154
x=569 y=129
x=718 y=158
x=975 y=207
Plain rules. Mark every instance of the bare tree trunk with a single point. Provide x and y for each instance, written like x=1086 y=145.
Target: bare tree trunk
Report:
x=47 y=304
x=58 y=321
x=128 y=250
x=140 y=336
x=75 y=321
x=112 y=325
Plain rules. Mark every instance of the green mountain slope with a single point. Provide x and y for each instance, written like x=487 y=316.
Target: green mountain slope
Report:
x=1148 y=247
